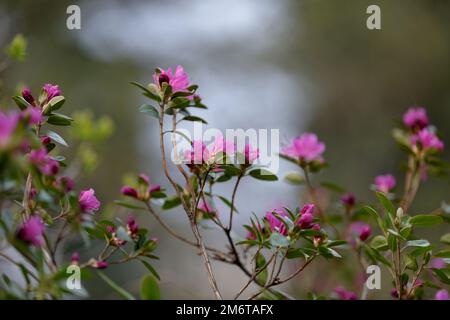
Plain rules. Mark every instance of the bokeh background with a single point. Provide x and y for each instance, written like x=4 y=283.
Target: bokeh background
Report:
x=308 y=65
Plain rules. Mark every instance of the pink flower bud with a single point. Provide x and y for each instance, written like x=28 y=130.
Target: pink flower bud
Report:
x=32 y=231
x=129 y=191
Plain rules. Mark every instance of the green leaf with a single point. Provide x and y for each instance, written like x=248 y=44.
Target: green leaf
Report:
x=417 y=243
x=335 y=243
x=227 y=203
x=179 y=103
x=425 y=220
x=122 y=292
x=445 y=238
x=128 y=205
x=443 y=254
x=194 y=118
x=58 y=119
x=150 y=288
x=260 y=263
x=329 y=253
x=171 y=202
x=441 y=275
x=262 y=174
x=151 y=269
x=379 y=242
x=386 y=203
x=278 y=240
x=21 y=102
x=57 y=138
x=294 y=178
x=54 y=104
x=149 y=110
x=147 y=92
x=376 y=256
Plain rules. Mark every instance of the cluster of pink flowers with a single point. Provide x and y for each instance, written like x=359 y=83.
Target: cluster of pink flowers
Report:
x=306 y=147
x=49 y=91
x=44 y=162
x=144 y=190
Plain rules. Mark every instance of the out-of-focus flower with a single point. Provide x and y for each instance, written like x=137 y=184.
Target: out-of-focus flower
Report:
x=348 y=200
x=275 y=224
x=32 y=231
x=179 y=81
x=75 y=258
x=306 y=147
x=360 y=230
x=441 y=295
x=45 y=140
x=51 y=168
x=100 y=264
x=200 y=153
x=88 y=202
x=8 y=123
x=51 y=90
x=427 y=140
x=129 y=191
x=344 y=294
x=46 y=164
x=394 y=293
x=207 y=208
x=385 y=183
x=67 y=183
x=144 y=190
x=415 y=117
x=438 y=263
x=250 y=154
x=33 y=115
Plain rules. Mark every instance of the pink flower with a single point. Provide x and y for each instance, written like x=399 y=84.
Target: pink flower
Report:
x=344 y=294
x=306 y=216
x=155 y=188
x=415 y=117
x=275 y=224
x=26 y=94
x=51 y=90
x=438 y=263
x=441 y=295
x=100 y=265
x=360 y=230
x=132 y=227
x=206 y=207
x=250 y=154
x=88 y=202
x=67 y=183
x=201 y=154
x=129 y=191
x=75 y=258
x=179 y=81
x=33 y=114
x=51 y=168
x=348 y=200
x=306 y=147
x=46 y=164
x=250 y=236
x=7 y=125
x=385 y=183
x=32 y=231
x=427 y=140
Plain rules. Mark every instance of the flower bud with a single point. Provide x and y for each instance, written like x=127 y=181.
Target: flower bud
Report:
x=129 y=191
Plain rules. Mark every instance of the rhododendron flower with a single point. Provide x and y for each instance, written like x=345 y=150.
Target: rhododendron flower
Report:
x=51 y=90
x=441 y=295
x=132 y=227
x=348 y=200
x=26 y=94
x=206 y=207
x=275 y=224
x=32 y=231
x=305 y=147
x=385 y=183
x=306 y=216
x=88 y=202
x=344 y=294
x=427 y=140
x=438 y=263
x=100 y=264
x=201 y=154
x=360 y=230
x=33 y=114
x=179 y=81
x=8 y=123
x=129 y=191
x=44 y=162
x=415 y=117
x=250 y=154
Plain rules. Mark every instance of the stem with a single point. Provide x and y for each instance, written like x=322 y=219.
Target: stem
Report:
x=233 y=196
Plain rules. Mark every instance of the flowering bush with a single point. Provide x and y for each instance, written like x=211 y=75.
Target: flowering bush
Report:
x=40 y=206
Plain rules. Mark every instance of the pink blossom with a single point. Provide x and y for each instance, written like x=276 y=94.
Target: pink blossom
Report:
x=8 y=123
x=415 y=117
x=206 y=207
x=33 y=114
x=46 y=164
x=143 y=178
x=200 y=153
x=305 y=147
x=344 y=294
x=441 y=295
x=348 y=200
x=275 y=224
x=129 y=191
x=155 y=188
x=132 y=227
x=51 y=167
x=26 y=94
x=51 y=90
x=306 y=216
x=75 y=258
x=88 y=202
x=32 y=231
x=101 y=265
x=250 y=153
x=438 y=263
x=427 y=140
x=360 y=230
x=67 y=183
x=179 y=81
x=385 y=183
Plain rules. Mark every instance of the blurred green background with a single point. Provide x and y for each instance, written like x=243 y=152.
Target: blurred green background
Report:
x=292 y=65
